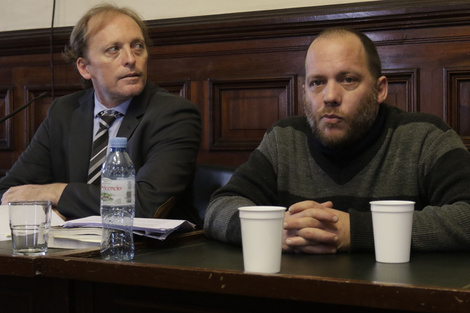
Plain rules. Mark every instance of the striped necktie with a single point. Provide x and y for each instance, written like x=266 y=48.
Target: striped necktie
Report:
x=100 y=145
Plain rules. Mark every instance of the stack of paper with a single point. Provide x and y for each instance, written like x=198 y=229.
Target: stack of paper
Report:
x=149 y=227
x=87 y=230
x=74 y=238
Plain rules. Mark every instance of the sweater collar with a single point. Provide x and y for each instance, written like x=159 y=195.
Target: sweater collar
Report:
x=343 y=156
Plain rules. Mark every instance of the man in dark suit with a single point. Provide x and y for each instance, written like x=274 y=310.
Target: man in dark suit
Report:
x=109 y=46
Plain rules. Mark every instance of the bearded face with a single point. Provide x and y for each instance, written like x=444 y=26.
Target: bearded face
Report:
x=341 y=98
x=353 y=126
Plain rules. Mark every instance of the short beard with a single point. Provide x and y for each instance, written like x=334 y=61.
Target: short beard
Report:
x=358 y=124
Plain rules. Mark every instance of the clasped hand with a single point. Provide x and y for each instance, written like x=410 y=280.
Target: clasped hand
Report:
x=315 y=228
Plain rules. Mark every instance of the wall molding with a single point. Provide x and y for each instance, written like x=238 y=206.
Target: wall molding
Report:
x=366 y=16
x=242 y=109
x=404 y=82
x=457 y=101
x=6 y=102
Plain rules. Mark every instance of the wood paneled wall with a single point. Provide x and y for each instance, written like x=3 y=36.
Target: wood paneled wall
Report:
x=245 y=71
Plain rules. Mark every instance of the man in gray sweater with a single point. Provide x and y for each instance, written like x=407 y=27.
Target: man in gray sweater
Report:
x=348 y=150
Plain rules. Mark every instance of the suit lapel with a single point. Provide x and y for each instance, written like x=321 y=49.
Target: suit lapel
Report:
x=81 y=138
x=136 y=110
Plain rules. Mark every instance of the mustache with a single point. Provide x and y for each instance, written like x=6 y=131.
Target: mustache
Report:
x=330 y=113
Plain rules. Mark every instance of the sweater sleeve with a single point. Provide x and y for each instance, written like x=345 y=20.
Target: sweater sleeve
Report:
x=443 y=224
x=253 y=183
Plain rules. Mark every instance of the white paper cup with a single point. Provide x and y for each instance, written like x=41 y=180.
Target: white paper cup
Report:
x=262 y=238
x=30 y=222
x=392 y=223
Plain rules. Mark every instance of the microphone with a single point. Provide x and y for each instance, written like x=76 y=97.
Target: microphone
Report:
x=3 y=119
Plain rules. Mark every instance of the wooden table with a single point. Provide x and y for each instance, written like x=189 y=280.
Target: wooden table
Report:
x=195 y=274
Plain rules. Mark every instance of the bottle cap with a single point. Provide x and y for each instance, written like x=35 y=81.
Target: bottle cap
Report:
x=118 y=142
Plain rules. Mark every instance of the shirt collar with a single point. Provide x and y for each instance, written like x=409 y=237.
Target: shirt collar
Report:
x=121 y=108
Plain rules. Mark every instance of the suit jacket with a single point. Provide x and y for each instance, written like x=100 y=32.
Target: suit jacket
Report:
x=163 y=134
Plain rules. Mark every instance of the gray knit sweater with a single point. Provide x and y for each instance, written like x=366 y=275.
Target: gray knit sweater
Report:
x=406 y=156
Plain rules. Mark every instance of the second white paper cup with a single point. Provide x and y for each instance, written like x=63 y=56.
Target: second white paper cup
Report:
x=262 y=238
x=392 y=223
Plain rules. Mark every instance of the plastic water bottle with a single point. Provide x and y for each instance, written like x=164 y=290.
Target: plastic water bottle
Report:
x=117 y=202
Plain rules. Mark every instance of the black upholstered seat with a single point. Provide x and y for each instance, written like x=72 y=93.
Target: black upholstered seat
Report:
x=208 y=179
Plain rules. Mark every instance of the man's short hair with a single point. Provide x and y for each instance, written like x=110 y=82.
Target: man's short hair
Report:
x=373 y=60
x=78 y=43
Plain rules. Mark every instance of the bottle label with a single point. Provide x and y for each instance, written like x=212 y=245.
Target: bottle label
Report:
x=117 y=192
